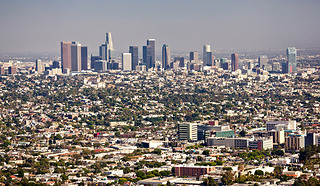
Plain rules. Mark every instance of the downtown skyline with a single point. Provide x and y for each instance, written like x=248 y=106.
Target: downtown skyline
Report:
x=184 y=26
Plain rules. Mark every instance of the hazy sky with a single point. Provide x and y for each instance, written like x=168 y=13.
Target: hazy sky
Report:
x=185 y=25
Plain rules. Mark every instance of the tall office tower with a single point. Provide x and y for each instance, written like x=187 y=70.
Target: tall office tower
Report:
x=263 y=61
x=84 y=58
x=39 y=66
x=152 y=44
x=2 y=71
x=194 y=56
x=126 y=62
x=207 y=55
x=103 y=52
x=146 y=57
x=93 y=60
x=165 y=57
x=133 y=50
x=109 y=40
x=12 y=70
x=109 y=47
x=234 y=62
x=66 y=55
x=292 y=59
x=75 y=57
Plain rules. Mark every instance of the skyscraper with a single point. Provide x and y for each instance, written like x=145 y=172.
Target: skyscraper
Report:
x=109 y=40
x=100 y=65
x=165 y=57
x=72 y=55
x=66 y=55
x=84 y=58
x=106 y=50
x=284 y=67
x=2 y=71
x=126 y=62
x=133 y=50
x=207 y=55
x=109 y=47
x=75 y=56
x=234 y=62
x=93 y=60
x=147 y=57
x=292 y=59
x=103 y=52
x=152 y=44
x=39 y=66
x=263 y=61
x=12 y=70
x=194 y=56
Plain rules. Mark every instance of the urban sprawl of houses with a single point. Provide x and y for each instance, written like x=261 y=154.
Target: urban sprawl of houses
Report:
x=181 y=126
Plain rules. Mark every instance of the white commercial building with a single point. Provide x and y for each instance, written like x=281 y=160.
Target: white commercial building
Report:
x=126 y=62
x=188 y=131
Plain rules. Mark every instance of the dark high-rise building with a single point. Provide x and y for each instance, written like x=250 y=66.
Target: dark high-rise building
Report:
x=285 y=68
x=234 y=62
x=103 y=52
x=84 y=58
x=55 y=64
x=147 y=57
x=93 y=60
x=12 y=70
x=225 y=66
x=100 y=65
x=75 y=57
x=292 y=59
x=194 y=56
x=152 y=44
x=222 y=61
x=207 y=55
x=66 y=55
x=180 y=60
x=165 y=57
x=310 y=139
x=134 y=56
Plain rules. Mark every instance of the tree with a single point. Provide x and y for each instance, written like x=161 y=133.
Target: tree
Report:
x=278 y=152
x=64 y=177
x=277 y=171
x=210 y=182
x=157 y=151
x=206 y=152
x=227 y=178
x=122 y=180
x=242 y=133
x=258 y=172
x=140 y=174
x=20 y=172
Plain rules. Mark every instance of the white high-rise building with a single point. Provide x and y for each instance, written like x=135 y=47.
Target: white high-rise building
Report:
x=126 y=62
x=188 y=131
x=109 y=41
x=106 y=50
x=39 y=66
